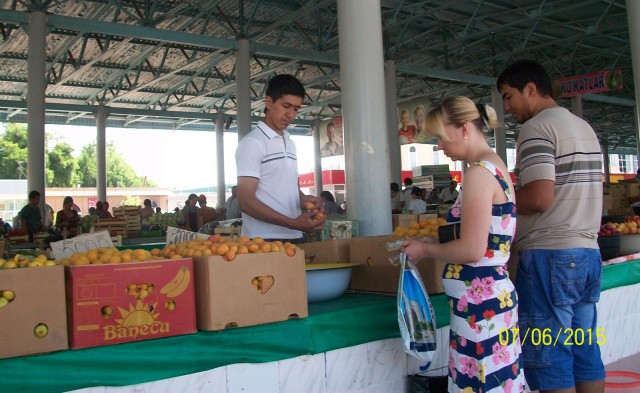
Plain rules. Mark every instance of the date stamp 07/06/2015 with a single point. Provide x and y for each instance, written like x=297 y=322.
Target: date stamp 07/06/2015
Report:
x=547 y=336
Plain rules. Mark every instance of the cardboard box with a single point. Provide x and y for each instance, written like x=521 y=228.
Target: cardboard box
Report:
x=403 y=220
x=226 y=295
x=39 y=299
x=427 y=217
x=339 y=229
x=376 y=273
x=103 y=310
x=328 y=251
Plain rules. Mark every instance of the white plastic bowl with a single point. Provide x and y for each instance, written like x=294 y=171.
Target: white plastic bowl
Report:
x=326 y=281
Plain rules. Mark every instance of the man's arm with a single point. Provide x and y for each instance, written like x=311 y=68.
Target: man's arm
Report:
x=535 y=197
x=251 y=205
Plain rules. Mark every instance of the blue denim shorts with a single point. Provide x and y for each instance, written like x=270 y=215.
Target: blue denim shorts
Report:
x=557 y=293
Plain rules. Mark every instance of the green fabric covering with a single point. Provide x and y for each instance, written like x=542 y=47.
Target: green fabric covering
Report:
x=349 y=320
x=620 y=275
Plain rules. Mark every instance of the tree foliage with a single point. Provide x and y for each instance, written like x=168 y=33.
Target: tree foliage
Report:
x=62 y=168
x=13 y=150
x=119 y=172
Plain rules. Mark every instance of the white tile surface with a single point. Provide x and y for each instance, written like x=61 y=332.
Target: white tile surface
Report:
x=253 y=378
x=397 y=386
x=98 y=389
x=303 y=374
x=210 y=381
x=347 y=369
x=387 y=361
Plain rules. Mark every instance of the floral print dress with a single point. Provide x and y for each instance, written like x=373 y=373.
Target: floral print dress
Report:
x=484 y=348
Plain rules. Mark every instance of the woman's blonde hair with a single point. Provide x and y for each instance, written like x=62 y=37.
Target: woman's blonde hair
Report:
x=459 y=110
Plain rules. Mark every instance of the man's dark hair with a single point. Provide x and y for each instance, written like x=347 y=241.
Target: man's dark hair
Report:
x=408 y=181
x=395 y=187
x=518 y=74
x=328 y=196
x=33 y=194
x=284 y=84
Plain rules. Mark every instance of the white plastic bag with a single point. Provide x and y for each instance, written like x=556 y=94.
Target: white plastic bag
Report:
x=416 y=318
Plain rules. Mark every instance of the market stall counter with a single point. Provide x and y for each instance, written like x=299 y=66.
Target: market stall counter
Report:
x=333 y=340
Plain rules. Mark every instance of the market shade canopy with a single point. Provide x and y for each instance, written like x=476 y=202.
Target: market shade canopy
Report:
x=171 y=64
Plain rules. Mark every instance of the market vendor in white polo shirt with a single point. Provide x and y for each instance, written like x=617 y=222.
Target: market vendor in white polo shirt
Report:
x=268 y=192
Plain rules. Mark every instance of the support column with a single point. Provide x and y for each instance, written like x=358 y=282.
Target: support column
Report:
x=576 y=106
x=221 y=185
x=317 y=167
x=499 y=134
x=395 y=159
x=633 y=13
x=364 y=115
x=36 y=89
x=101 y=155
x=605 y=162
x=243 y=86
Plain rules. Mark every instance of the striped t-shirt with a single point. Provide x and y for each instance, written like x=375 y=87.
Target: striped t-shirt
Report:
x=559 y=146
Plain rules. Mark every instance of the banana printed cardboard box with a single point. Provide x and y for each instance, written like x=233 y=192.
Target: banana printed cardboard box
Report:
x=376 y=273
x=253 y=289
x=33 y=316
x=118 y=303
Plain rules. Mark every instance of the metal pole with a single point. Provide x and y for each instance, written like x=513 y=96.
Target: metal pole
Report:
x=221 y=187
x=395 y=159
x=36 y=87
x=101 y=153
x=317 y=168
x=243 y=85
x=499 y=134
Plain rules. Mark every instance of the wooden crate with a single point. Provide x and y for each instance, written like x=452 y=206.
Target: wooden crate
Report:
x=115 y=227
x=231 y=232
x=19 y=239
x=124 y=211
x=116 y=240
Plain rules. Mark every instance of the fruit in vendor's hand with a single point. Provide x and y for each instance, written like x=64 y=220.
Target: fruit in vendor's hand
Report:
x=41 y=330
x=309 y=206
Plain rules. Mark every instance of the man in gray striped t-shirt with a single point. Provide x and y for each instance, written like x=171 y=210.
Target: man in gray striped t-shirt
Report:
x=559 y=201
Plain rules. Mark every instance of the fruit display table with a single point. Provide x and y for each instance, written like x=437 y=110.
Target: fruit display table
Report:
x=333 y=339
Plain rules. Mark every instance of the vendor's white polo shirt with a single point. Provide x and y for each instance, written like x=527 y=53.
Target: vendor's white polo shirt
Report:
x=263 y=154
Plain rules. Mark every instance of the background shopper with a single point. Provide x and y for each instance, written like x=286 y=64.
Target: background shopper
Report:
x=482 y=299
x=559 y=193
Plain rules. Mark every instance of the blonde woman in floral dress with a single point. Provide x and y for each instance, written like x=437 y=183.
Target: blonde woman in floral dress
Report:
x=484 y=348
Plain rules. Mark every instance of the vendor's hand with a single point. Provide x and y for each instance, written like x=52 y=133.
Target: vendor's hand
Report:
x=315 y=201
x=415 y=249
x=307 y=223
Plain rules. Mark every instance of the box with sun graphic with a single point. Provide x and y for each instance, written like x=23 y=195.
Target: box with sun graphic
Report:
x=118 y=303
